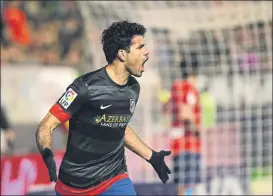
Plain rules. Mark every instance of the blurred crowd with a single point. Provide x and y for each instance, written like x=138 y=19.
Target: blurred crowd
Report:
x=51 y=33
x=44 y=32
x=243 y=48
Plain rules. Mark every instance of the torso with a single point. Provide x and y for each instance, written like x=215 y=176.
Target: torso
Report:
x=95 y=150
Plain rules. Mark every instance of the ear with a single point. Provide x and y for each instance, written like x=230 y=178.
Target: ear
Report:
x=122 y=55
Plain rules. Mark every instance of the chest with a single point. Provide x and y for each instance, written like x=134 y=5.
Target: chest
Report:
x=191 y=97
x=112 y=106
x=112 y=100
x=109 y=109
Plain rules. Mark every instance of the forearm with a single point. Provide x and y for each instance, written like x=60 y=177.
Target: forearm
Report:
x=44 y=133
x=135 y=144
x=43 y=138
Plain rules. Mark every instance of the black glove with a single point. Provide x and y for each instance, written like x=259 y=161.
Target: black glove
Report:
x=158 y=163
x=48 y=158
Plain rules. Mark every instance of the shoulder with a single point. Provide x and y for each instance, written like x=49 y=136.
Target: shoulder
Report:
x=91 y=75
x=181 y=88
x=180 y=84
x=80 y=84
x=134 y=83
x=86 y=79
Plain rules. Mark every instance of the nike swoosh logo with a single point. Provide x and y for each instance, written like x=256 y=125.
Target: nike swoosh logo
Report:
x=104 y=107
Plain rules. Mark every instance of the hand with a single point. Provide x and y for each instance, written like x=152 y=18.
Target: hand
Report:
x=48 y=158
x=158 y=163
x=10 y=134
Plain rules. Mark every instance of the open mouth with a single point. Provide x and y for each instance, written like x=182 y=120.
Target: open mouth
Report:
x=145 y=61
x=142 y=68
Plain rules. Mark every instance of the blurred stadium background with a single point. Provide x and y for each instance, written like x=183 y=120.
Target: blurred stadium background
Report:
x=46 y=44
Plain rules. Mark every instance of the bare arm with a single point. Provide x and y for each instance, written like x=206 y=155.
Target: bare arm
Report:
x=44 y=131
x=135 y=144
x=156 y=159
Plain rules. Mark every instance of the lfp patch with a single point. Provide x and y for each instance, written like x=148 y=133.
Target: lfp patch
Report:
x=68 y=98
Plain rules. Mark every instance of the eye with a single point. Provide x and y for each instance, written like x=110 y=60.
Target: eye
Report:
x=141 y=46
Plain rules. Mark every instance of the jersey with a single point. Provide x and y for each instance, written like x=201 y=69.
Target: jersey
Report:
x=184 y=93
x=98 y=111
x=3 y=120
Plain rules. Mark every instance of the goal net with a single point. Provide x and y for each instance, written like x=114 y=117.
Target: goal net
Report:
x=231 y=42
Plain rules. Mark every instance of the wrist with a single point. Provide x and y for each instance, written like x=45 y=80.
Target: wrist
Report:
x=148 y=156
x=48 y=158
x=47 y=153
x=152 y=157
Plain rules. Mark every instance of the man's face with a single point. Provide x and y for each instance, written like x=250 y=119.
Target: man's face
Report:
x=137 y=56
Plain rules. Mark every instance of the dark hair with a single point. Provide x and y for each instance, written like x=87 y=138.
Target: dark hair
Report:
x=189 y=67
x=118 y=36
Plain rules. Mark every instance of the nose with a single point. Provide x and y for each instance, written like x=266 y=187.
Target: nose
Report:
x=146 y=51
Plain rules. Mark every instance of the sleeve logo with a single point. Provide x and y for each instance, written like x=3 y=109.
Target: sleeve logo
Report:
x=68 y=98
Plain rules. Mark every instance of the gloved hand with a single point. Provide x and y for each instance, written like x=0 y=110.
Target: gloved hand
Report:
x=48 y=158
x=158 y=163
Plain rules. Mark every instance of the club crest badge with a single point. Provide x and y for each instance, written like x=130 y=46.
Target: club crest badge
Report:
x=132 y=105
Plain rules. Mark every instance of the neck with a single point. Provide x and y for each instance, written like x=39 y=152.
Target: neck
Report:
x=192 y=80
x=117 y=72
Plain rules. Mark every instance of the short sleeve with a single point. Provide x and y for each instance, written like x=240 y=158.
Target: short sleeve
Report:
x=71 y=101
